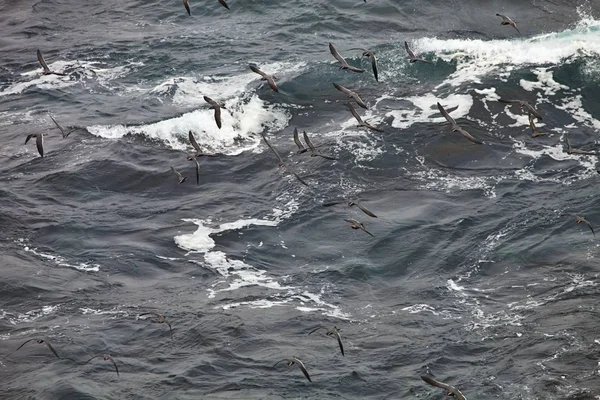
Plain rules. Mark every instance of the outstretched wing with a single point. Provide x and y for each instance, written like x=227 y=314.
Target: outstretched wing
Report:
x=408 y=50
x=40 y=58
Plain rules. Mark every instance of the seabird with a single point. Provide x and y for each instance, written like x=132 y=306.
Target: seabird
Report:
x=39 y=142
x=40 y=341
x=160 y=319
x=180 y=177
x=451 y=391
x=571 y=150
x=266 y=76
x=350 y=204
x=352 y=94
x=301 y=148
x=455 y=126
x=332 y=332
x=224 y=4
x=199 y=152
x=360 y=120
x=47 y=70
x=300 y=364
x=313 y=149
x=342 y=61
x=354 y=224
x=534 y=131
x=508 y=21
x=62 y=130
x=523 y=103
x=371 y=55
x=412 y=55
x=186 y=4
x=106 y=357
x=217 y=107
x=282 y=163
x=585 y=221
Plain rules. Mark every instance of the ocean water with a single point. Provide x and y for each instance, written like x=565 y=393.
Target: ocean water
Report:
x=477 y=273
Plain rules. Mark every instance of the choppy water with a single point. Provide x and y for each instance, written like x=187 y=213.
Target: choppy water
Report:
x=477 y=273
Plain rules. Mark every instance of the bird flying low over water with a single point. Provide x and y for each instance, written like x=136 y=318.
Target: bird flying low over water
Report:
x=455 y=126
x=523 y=103
x=282 y=163
x=451 y=391
x=47 y=70
x=354 y=224
x=270 y=80
x=313 y=149
x=342 y=60
x=180 y=177
x=361 y=123
x=40 y=341
x=39 y=142
x=64 y=132
x=159 y=318
x=412 y=55
x=371 y=55
x=508 y=21
x=351 y=94
x=350 y=204
x=331 y=332
x=105 y=357
x=217 y=107
x=580 y=220
x=300 y=364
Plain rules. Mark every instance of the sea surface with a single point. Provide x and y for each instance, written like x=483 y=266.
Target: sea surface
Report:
x=477 y=274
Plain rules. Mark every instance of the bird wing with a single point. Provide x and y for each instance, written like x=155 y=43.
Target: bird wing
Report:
x=293 y=172
x=309 y=143
x=272 y=148
x=369 y=213
x=218 y=115
x=355 y=114
x=194 y=143
x=515 y=26
x=343 y=89
x=504 y=17
x=435 y=383
x=468 y=135
x=532 y=124
x=337 y=55
x=297 y=140
x=300 y=365
x=532 y=110
x=366 y=125
x=186 y=4
x=29 y=137
x=157 y=315
x=24 y=343
x=362 y=227
x=329 y=204
x=339 y=339
x=272 y=83
x=62 y=130
x=423 y=60
x=358 y=100
x=408 y=50
x=114 y=363
x=588 y=224
x=447 y=116
x=197 y=171
x=224 y=4
x=52 y=348
x=40 y=58
x=290 y=169
x=39 y=142
x=374 y=65
x=566 y=137
x=179 y=176
x=509 y=101
x=255 y=69
x=318 y=327
x=210 y=101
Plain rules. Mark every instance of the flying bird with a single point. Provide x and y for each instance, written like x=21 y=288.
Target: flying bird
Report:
x=282 y=163
x=412 y=55
x=159 y=318
x=300 y=364
x=40 y=341
x=39 y=142
x=62 y=130
x=354 y=224
x=186 y=4
x=351 y=94
x=451 y=391
x=350 y=204
x=360 y=120
x=571 y=150
x=180 y=177
x=224 y=4
x=508 y=21
x=332 y=332
x=313 y=149
x=196 y=146
x=534 y=130
x=523 y=103
x=301 y=148
x=580 y=220
x=455 y=126
x=217 y=107
x=105 y=357
x=342 y=60
x=270 y=80
x=47 y=70
x=371 y=55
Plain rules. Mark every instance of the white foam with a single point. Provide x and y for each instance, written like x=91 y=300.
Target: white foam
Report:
x=59 y=260
x=425 y=107
x=29 y=316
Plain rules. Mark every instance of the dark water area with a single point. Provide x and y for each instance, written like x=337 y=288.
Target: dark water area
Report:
x=477 y=274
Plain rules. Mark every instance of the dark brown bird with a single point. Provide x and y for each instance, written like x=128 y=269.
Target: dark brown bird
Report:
x=371 y=55
x=350 y=203
x=47 y=70
x=354 y=224
x=451 y=391
x=534 y=130
x=342 y=60
x=282 y=163
x=571 y=150
x=217 y=107
x=270 y=80
x=313 y=149
x=40 y=341
x=186 y=4
x=159 y=319
x=301 y=148
x=39 y=142
x=523 y=103
x=580 y=220
x=455 y=126
x=332 y=332
x=224 y=4
x=508 y=21
x=180 y=177
x=360 y=120
x=412 y=55
x=62 y=130
x=300 y=364
x=351 y=94
x=105 y=357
